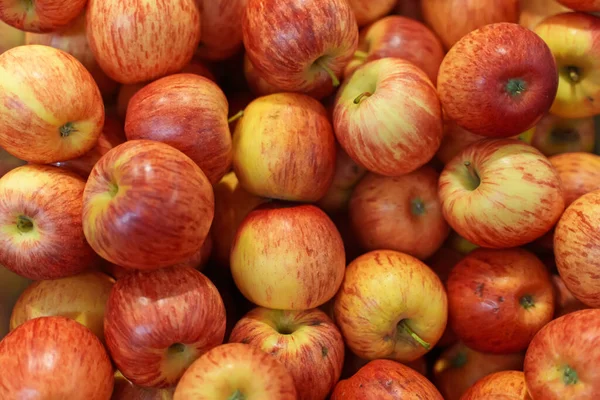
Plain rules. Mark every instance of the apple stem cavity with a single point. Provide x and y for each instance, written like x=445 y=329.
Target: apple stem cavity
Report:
x=417 y=206
x=515 y=87
x=237 y=395
x=574 y=74
x=361 y=54
x=176 y=348
x=459 y=360
x=24 y=224
x=473 y=176
x=527 y=301
x=235 y=117
x=67 y=129
x=404 y=326
x=564 y=135
x=334 y=79
x=570 y=376
x=113 y=189
x=361 y=96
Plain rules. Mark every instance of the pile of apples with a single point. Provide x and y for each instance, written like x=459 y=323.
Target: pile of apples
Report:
x=299 y=199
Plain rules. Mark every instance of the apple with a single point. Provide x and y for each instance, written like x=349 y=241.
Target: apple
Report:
x=125 y=390
x=40 y=15
x=503 y=385
x=50 y=107
x=582 y=5
x=199 y=67
x=401 y=37
x=576 y=241
x=410 y=8
x=236 y=371
x=399 y=213
x=453 y=19
x=284 y=148
x=300 y=45
x=158 y=322
x=188 y=112
x=459 y=367
x=256 y=83
x=11 y=287
x=368 y=11
x=288 y=256
x=390 y=305
x=307 y=343
x=238 y=101
x=221 y=28
x=136 y=42
x=501 y=193
x=535 y=11
x=8 y=162
x=562 y=360
x=578 y=90
x=565 y=301
x=353 y=363
x=460 y=244
x=126 y=92
x=498 y=81
x=554 y=135
x=455 y=140
x=54 y=358
x=10 y=37
x=499 y=299
x=385 y=380
x=579 y=174
x=130 y=223
x=388 y=117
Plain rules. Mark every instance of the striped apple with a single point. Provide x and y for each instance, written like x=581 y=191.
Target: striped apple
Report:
x=40 y=15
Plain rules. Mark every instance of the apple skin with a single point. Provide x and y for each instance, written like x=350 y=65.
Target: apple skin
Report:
x=136 y=42
x=574 y=40
x=41 y=15
x=410 y=8
x=455 y=140
x=291 y=44
x=126 y=92
x=125 y=390
x=498 y=93
x=221 y=36
x=50 y=358
x=504 y=172
x=129 y=223
x=54 y=245
x=503 y=385
x=565 y=301
x=554 y=135
x=378 y=328
x=401 y=37
x=582 y=5
x=386 y=380
x=453 y=19
x=535 y=11
x=288 y=257
x=10 y=37
x=395 y=130
x=353 y=363
x=579 y=174
x=188 y=112
x=284 y=148
x=256 y=83
x=307 y=343
x=46 y=95
x=8 y=162
x=562 y=360
x=368 y=11
x=459 y=367
x=399 y=213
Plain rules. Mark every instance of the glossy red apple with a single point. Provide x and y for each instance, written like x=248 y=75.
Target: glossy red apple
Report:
x=40 y=15
x=221 y=35
x=11 y=287
x=410 y=8
x=503 y=385
x=554 y=135
x=579 y=174
x=367 y=11
x=259 y=86
x=565 y=301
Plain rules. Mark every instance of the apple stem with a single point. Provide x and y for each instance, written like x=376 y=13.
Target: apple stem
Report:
x=527 y=301
x=573 y=74
x=472 y=174
x=361 y=96
x=361 y=54
x=66 y=129
x=570 y=376
x=417 y=338
x=24 y=224
x=334 y=78
x=237 y=116
x=417 y=206
x=237 y=395
x=113 y=189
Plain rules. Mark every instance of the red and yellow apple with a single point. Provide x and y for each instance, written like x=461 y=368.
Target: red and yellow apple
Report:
x=579 y=174
x=353 y=363
x=257 y=85
x=221 y=36
x=532 y=12
x=368 y=11
x=8 y=162
x=503 y=385
x=40 y=15
x=554 y=135
x=582 y=5
x=125 y=390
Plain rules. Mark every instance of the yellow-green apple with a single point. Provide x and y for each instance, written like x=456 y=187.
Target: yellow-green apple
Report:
x=388 y=118
x=300 y=45
x=8 y=162
x=402 y=323
x=221 y=36
x=368 y=11
x=503 y=385
x=459 y=367
x=126 y=92
x=284 y=148
x=307 y=343
x=565 y=301
x=236 y=371
x=287 y=256
x=80 y=297
x=574 y=40
x=40 y=15
x=582 y=5
x=499 y=299
x=579 y=174
x=50 y=106
x=454 y=141
x=130 y=223
x=11 y=287
x=401 y=37
x=41 y=235
x=125 y=390
x=400 y=213
x=158 y=322
x=556 y=135
x=410 y=8
x=501 y=193
x=189 y=113
x=498 y=81
x=257 y=84
x=54 y=358
x=10 y=37
x=562 y=360
x=136 y=42
x=532 y=12
x=385 y=380
x=576 y=248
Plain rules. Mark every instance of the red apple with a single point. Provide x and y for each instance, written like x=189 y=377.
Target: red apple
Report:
x=288 y=257
x=40 y=15
x=221 y=28
x=8 y=162
x=300 y=45
x=125 y=390
x=554 y=135
x=499 y=299
x=236 y=371
x=503 y=385
x=353 y=363
x=54 y=358
x=501 y=193
x=10 y=37
x=566 y=303
x=199 y=67
x=582 y=5
x=367 y=11
x=307 y=343
x=455 y=140
x=284 y=148
x=579 y=174
x=562 y=361
x=400 y=37
x=11 y=287
x=51 y=109
x=136 y=42
x=256 y=83
x=385 y=380
x=498 y=81
x=188 y=112
x=388 y=118
x=410 y=8
x=532 y=12
x=131 y=224
x=126 y=92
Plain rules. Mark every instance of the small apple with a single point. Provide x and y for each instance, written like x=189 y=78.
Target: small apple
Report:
x=554 y=135
x=582 y=5
x=532 y=12
x=455 y=140
x=566 y=303
x=10 y=37
x=503 y=385
x=368 y=11
x=125 y=390
x=221 y=36
x=579 y=174
x=40 y=15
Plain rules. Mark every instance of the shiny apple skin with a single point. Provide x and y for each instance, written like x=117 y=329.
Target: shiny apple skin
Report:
x=569 y=341
x=41 y=90
x=54 y=358
x=188 y=112
x=368 y=11
x=582 y=5
x=399 y=127
x=236 y=369
x=307 y=343
x=503 y=385
x=554 y=135
x=579 y=174
x=386 y=380
x=41 y=15
x=257 y=85
x=221 y=36
x=140 y=227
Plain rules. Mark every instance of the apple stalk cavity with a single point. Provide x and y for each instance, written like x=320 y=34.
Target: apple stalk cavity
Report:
x=24 y=224
x=403 y=326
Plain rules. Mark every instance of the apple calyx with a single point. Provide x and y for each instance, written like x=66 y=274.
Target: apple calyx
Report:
x=237 y=395
x=527 y=301
x=361 y=96
x=361 y=54
x=235 y=117
x=113 y=189
x=404 y=326
x=67 y=129
x=474 y=178
x=570 y=376
x=515 y=86
x=417 y=206
x=459 y=360
x=334 y=79
x=24 y=224
x=574 y=73
x=176 y=348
